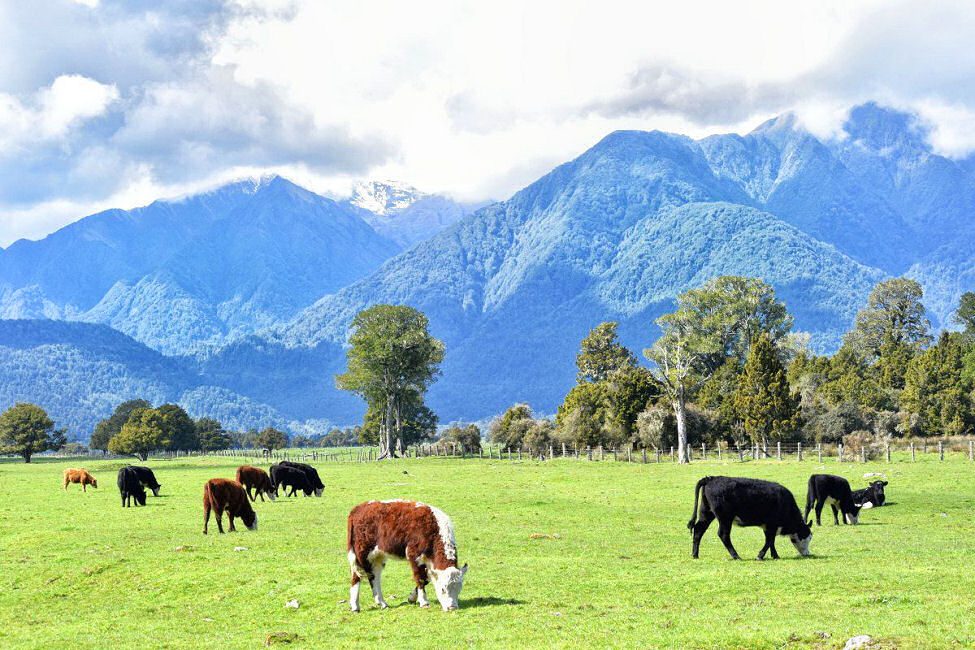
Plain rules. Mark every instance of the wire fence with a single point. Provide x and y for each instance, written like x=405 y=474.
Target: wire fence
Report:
x=749 y=452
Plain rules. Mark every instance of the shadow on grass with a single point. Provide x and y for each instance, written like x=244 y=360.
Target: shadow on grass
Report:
x=489 y=601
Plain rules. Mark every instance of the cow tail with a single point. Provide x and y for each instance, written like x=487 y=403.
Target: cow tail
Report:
x=349 y=536
x=697 y=492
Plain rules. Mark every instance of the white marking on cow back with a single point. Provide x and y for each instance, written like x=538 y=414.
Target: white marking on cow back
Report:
x=446 y=530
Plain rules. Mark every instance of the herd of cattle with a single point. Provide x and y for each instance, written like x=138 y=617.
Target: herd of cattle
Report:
x=424 y=535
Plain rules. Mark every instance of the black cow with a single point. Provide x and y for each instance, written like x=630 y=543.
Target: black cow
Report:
x=147 y=478
x=834 y=490
x=293 y=477
x=311 y=472
x=747 y=502
x=131 y=487
x=873 y=495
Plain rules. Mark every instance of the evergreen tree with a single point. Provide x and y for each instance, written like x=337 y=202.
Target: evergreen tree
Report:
x=212 y=436
x=179 y=428
x=271 y=438
x=25 y=430
x=965 y=314
x=602 y=354
x=936 y=388
x=763 y=398
x=894 y=314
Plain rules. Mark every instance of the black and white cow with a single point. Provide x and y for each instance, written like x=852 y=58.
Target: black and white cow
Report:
x=834 y=490
x=130 y=487
x=747 y=502
x=290 y=477
x=147 y=478
x=871 y=496
x=311 y=472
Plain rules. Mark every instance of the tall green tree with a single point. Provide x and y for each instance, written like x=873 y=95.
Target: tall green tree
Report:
x=894 y=315
x=768 y=409
x=271 y=438
x=179 y=428
x=602 y=354
x=509 y=430
x=965 y=315
x=143 y=433
x=682 y=355
x=111 y=425
x=937 y=390
x=392 y=359
x=26 y=429
x=212 y=436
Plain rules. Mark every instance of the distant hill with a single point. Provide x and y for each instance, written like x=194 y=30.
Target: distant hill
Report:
x=261 y=281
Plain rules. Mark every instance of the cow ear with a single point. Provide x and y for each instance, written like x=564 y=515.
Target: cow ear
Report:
x=463 y=569
x=883 y=482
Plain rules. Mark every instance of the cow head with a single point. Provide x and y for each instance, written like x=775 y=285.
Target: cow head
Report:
x=155 y=490
x=250 y=520
x=853 y=516
x=271 y=493
x=801 y=538
x=94 y=483
x=448 y=584
x=878 y=492
x=140 y=498
x=319 y=491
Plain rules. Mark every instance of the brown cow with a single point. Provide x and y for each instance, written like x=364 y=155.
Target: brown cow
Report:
x=79 y=476
x=255 y=478
x=421 y=534
x=222 y=494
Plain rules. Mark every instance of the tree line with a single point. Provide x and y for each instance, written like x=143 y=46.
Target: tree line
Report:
x=728 y=366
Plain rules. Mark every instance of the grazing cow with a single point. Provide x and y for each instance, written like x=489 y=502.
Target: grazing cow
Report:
x=147 y=478
x=311 y=472
x=292 y=477
x=748 y=502
x=221 y=495
x=871 y=496
x=130 y=486
x=255 y=478
x=419 y=533
x=834 y=490
x=79 y=476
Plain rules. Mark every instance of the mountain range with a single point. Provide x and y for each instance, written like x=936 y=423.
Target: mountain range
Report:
x=245 y=294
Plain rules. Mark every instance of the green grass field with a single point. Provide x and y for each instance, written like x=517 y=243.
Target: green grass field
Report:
x=78 y=570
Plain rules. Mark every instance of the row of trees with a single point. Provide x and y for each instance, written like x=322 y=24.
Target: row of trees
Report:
x=728 y=366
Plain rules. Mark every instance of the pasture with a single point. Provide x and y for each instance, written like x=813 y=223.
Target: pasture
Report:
x=565 y=553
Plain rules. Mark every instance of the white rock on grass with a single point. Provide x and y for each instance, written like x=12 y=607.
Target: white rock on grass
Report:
x=240 y=548
x=293 y=604
x=859 y=641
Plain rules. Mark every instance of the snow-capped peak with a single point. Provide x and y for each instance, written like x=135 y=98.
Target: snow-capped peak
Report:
x=384 y=197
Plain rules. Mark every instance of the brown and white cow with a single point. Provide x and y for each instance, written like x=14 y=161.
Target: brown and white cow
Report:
x=255 y=478
x=221 y=495
x=421 y=534
x=79 y=476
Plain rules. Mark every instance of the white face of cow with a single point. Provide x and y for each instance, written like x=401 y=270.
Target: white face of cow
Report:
x=448 y=584
x=319 y=491
x=155 y=491
x=254 y=525
x=801 y=543
x=852 y=518
x=271 y=495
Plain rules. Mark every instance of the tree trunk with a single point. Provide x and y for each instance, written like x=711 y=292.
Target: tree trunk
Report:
x=681 y=415
x=386 y=438
x=26 y=458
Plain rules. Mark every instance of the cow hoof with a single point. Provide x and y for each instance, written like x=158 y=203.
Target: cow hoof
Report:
x=424 y=604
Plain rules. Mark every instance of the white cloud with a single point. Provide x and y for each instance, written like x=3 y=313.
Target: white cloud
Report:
x=472 y=99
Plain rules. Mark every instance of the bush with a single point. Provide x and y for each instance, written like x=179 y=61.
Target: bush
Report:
x=468 y=438
x=539 y=436
x=657 y=427
x=856 y=443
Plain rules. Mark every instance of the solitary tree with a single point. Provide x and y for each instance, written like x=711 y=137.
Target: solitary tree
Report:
x=392 y=361
x=602 y=354
x=212 y=435
x=25 y=430
x=111 y=425
x=144 y=432
x=767 y=408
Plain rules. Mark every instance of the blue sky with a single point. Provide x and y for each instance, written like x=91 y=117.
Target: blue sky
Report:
x=111 y=104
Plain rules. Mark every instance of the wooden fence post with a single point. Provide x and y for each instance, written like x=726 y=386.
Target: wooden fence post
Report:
x=704 y=451
x=971 y=451
x=778 y=450
x=657 y=449
x=913 y=457
x=644 y=455
x=941 y=450
x=863 y=453
x=741 y=455
x=589 y=451
x=629 y=455
x=519 y=453
x=839 y=457
x=672 y=457
x=887 y=449
x=819 y=450
x=551 y=452
x=563 y=450
x=799 y=452
x=601 y=456
x=719 y=451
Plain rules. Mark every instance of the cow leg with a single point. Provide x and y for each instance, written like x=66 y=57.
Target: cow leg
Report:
x=84 y=486
x=230 y=517
x=377 y=584
x=836 y=518
x=769 y=543
x=219 y=517
x=419 y=593
x=724 y=534
x=358 y=572
x=206 y=516
x=819 y=510
x=699 y=529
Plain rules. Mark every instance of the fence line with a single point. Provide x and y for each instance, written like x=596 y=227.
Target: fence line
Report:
x=747 y=452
